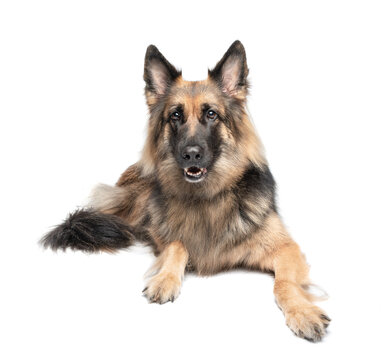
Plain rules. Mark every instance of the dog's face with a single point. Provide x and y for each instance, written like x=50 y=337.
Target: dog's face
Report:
x=195 y=115
x=196 y=126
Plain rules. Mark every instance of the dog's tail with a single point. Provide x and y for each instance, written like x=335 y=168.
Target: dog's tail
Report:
x=91 y=231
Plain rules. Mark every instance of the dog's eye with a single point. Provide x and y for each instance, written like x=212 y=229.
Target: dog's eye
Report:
x=175 y=116
x=211 y=115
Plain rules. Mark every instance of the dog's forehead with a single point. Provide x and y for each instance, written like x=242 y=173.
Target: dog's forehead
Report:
x=193 y=94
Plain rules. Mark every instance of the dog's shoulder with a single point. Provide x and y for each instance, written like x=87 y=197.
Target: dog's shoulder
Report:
x=255 y=181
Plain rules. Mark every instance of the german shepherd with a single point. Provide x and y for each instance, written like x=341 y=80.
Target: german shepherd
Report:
x=202 y=194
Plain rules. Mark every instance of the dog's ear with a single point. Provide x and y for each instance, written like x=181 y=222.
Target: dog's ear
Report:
x=159 y=73
x=231 y=71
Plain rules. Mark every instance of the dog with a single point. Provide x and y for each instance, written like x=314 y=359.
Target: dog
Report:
x=202 y=195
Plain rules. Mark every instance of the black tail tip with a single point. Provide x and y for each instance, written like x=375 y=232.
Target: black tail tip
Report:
x=91 y=231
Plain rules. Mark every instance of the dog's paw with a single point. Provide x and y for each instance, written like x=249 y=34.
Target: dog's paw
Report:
x=163 y=287
x=308 y=322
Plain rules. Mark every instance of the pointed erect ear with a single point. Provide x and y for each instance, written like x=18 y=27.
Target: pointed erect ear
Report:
x=158 y=72
x=231 y=71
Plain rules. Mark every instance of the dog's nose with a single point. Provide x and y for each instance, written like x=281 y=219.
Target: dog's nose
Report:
x=192 y=153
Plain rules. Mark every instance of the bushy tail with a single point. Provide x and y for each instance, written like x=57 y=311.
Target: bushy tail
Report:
x=89 y=230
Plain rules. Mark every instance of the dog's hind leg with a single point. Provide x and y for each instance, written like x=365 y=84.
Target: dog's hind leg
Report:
x=108 y=199
x=168 y=272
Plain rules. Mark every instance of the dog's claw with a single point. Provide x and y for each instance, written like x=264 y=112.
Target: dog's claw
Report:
x=309 y=323
x=325 y=317
x=162 y=288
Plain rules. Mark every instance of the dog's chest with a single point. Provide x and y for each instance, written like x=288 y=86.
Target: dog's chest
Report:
x=205 y=228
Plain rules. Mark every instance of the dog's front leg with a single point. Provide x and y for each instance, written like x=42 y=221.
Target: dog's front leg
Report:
x=291 y=276
x=168 y=270
x=272 y=249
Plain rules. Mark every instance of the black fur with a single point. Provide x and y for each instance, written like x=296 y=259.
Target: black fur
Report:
x=91 y=231
x=256 y=183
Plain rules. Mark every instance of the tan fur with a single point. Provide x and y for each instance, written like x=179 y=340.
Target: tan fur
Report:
x=251 y=145
x=149 y=156
x=168 y=272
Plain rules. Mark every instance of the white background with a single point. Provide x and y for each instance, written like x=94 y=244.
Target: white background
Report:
x=73 y=114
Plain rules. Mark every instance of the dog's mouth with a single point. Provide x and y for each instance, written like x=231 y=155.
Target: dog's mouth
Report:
x=194 y=174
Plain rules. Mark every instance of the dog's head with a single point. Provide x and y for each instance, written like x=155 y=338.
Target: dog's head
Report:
x=199 y=132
